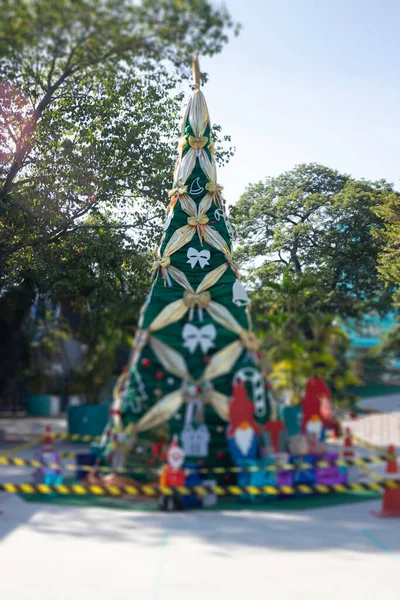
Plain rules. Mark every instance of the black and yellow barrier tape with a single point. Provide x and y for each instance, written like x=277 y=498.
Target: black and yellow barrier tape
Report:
x=372 y=474
x=37 y=464
x=75 y=437
x=21 y=447
x=152 y=490
x=370 y=446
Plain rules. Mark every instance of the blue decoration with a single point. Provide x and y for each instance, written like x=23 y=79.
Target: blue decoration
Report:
x=237 y=454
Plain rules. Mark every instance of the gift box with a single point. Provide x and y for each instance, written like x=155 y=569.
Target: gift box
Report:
x=329 y=475
x=285 y=478
x=304 y=474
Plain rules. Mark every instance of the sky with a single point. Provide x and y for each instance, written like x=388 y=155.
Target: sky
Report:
x=308 y=81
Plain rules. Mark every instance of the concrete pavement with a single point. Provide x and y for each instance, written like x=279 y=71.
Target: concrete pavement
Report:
x=66 y=552
x=21 y=429
x=70 y=553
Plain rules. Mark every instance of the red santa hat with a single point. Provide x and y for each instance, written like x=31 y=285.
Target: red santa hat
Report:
x=175 y=454
x=241 y=410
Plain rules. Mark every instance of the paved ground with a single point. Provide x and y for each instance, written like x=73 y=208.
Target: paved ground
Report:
x=25 y=428
x=66 y=552
x=59 y=552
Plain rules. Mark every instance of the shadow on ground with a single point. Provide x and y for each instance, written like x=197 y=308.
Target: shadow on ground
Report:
x=349 y=527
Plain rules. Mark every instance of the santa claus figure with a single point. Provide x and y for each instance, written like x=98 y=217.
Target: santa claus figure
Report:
x=172 y=473
x=243 y=431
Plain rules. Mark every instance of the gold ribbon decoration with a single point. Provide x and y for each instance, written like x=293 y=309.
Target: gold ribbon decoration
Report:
x=170 y=359
x=175 y=193
x=192 y=299
x=208 y=165
x=220 y=403
x=249 y=340
x=176 y=310
x=184 y=167
x=198 y=221
x=222 y=361
x=181 y=145
x=197 y=143
x=197 y=114
x=215 y=189
x=162 y=411
x=163 y=263
x=141 y=339
x=118 y=390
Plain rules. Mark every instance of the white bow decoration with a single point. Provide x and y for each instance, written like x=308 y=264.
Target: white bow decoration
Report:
x=198 y=256
x=199 y=336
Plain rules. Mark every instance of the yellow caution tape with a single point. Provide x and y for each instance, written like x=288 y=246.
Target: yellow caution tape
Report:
x=21 y=447
x=73 y=437
x=22 y=462
x=370 y=446
x=150 y=490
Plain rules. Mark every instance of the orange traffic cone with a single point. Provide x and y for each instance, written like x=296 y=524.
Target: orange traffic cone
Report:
x=348 y=444
x=391 y=466
x=48 y=441
x=391 y=495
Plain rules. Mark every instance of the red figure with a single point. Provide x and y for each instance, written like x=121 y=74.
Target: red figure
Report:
x=274 y=428
x=241 y=410
x=316 y=402
x=172 y=474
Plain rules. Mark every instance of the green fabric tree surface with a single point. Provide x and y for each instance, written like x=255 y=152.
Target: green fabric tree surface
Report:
x=194 y=338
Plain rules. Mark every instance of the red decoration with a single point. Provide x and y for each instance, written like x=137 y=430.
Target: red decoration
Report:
x=348 y=451
x=206 y=360
x=159 y=375
x=159 y=450
x=48 y=441
x=220 y=454
x=172 y=473
x=146 y=362
x=274 y=428
x=241 y=410
x=316 y=402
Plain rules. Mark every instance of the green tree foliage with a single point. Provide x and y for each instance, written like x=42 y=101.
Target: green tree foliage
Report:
x=88 y=108
x=316 y=222
x=87 y=112
x=389 y=258
x=300 y=340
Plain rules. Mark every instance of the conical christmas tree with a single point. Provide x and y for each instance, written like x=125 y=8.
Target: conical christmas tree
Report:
x=194 y=337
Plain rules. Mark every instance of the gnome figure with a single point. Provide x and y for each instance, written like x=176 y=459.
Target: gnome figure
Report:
x=242 y=432
x=316 y=407
x=172 y=474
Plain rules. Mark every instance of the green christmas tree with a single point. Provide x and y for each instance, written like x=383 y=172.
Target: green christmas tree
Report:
x=194 y=337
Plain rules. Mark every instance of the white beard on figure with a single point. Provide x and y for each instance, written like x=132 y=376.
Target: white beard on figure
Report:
x=176 y=458
x=314 y=429
x=243 y=439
